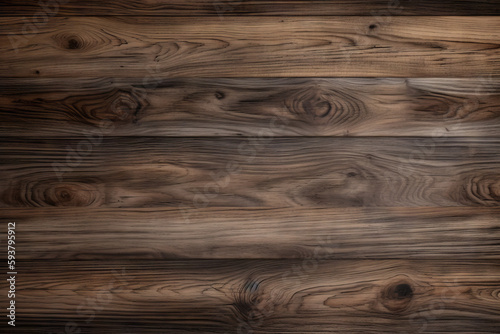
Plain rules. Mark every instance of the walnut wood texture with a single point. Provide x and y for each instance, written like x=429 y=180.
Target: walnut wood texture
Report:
x=339 y=46
x=253 y=233
x=263 y=167
x=222 y=8
x=255 y=172
x=263 y=296
x=246 y=106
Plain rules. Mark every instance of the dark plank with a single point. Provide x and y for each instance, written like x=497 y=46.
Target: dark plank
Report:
x=419 y=46
x=231 y=107
x=251 y=233
x=252 y=172
x=314 y=296
x=382 y=8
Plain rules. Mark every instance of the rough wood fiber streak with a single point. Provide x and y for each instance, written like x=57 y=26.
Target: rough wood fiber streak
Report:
x=419 y=46
x=381 y=8
x=231 y=107
x=252 y=233
x=254 y=172
x=314 y=296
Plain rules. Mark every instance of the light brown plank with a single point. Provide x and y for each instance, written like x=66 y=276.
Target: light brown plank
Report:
x=251 y=233
x=312 y=296
x=253 y=172
x=336 y=46
x=232 y=107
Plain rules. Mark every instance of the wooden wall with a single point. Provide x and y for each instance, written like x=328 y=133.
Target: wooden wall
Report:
x=203 y=166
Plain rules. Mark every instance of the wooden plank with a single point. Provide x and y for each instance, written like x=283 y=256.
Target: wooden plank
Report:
x=252 y=233
x=315 y=296
x=231 y=107
x=252 y=172
x=223 y=8
x=420 y=46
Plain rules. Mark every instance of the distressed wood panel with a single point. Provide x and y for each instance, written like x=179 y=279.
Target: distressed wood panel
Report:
x=338 y=46
x=253 y=233
x=232 y=107
x=352 y=296
x=253 y=172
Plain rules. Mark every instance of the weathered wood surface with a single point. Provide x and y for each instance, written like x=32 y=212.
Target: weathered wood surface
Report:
x=253 y=172
x=256 y=166
x=223 y=8
x=252 y=233
x=246 y=106
x=338 y=46
x=262 y=296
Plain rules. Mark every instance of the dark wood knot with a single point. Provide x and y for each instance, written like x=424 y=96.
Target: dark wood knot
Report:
x=71 y=194
x=73 y=44
x=397 y=296
x=401 y=291
x=219 y=95
x=321 y=106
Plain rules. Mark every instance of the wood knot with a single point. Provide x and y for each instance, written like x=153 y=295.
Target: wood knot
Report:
x=247 y=300
x=323 y=106
x=433 y=106
x=118 y=105
x=69 y=194
x=401 y=291
x=44 y=193
x=219 y=95
x=77 y=42
x=73 y=44
x=70 y=42
x=397 y=296
x=483 y=189
x=125 y=106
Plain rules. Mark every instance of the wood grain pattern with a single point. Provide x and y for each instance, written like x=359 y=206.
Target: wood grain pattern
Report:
x=253 y=172
x=264 y=296
x=246 y=106
x=337 y=46
x=252 y=233
x=251 y=166
x=223 y=8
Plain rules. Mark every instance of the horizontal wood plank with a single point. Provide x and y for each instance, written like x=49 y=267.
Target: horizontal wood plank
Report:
x=254 y=172
x=314 y=296
x=252 y=233
x=339 y=46
x=233 y=107
x=224 y=8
